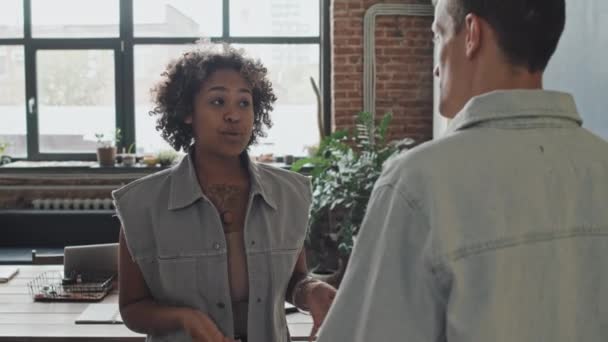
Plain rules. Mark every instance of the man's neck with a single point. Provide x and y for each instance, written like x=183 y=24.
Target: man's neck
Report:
x=507 y=78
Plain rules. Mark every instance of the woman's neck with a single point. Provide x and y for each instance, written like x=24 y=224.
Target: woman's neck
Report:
x=213 y=168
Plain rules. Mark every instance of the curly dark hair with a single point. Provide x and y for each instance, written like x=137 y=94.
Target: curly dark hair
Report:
x=183 y=78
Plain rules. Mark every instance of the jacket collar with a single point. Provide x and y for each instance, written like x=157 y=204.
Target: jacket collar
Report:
x=507 y=104
x=185 y=189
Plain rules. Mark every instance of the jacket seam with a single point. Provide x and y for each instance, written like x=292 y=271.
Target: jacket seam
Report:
x=436 y=264
x=532 y=238
x=411 y=202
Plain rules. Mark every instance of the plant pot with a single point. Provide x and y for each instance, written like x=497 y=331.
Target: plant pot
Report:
x=128 y=159
x=106 y=156
x=150 y=160
x=333 y=278
x=5 y=160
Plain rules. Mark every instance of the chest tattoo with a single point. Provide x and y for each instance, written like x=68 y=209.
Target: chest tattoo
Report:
x=230 y=201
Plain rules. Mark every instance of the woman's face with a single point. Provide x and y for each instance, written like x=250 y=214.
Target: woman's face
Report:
x=222 y=121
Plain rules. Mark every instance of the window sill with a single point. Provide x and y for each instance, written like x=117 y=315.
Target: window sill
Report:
x=23 y=255
x=73 y=167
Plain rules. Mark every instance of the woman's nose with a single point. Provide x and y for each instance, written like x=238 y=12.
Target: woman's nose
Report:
x=232 y=116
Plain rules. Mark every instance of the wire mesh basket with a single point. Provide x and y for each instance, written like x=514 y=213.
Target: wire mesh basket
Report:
x=53 y=286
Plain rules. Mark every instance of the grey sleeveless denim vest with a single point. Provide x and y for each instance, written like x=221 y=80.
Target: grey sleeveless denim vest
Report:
x=175 y=235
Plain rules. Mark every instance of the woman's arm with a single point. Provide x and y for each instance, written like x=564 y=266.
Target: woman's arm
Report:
x=300 y=273
x=142 y=314
x=309 y=294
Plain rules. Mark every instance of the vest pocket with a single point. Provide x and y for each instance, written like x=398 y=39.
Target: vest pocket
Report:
x=177 y=278
x=283 y=262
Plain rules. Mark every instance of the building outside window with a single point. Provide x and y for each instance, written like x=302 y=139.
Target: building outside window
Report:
x=71 y=68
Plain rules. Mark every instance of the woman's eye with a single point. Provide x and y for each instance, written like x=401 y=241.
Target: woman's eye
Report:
x=217 y=102
x=244 y=103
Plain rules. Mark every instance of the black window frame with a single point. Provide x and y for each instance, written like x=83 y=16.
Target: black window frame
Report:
x=123 y=47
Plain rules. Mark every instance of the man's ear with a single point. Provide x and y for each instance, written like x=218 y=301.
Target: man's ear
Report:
x=472 y=27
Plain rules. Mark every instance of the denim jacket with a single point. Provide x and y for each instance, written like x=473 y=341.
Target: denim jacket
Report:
x=498 y=231
x=175 y=235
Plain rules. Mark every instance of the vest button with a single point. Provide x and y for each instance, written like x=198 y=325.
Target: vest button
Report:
x=216 y=246
x=221 y=305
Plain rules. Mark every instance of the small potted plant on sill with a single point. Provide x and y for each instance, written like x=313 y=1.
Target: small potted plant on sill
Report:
x=106 y=148
x=4 y=159
x=166 y=158
x=150 y=160
x=129 y=159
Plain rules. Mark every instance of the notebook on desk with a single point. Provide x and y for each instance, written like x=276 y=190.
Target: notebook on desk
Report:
x=7 y=273
x=290 y=308
x=100 y=314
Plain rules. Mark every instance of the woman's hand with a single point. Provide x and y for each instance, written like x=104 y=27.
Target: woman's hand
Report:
x=320 y=295
x=201 y=328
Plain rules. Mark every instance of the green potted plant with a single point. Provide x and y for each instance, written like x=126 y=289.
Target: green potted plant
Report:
x=344 y=170
x=166 y=158
x=4 y=159
x=106 y=148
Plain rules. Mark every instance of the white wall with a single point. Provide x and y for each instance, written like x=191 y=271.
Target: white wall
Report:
x=580 y=64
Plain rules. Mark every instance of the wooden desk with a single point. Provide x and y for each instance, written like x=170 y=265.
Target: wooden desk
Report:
x=23 y=320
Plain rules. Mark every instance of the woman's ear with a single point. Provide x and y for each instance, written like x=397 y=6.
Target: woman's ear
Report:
x=188 y=119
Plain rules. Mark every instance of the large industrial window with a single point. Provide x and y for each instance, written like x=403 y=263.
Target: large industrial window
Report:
x=70 y=69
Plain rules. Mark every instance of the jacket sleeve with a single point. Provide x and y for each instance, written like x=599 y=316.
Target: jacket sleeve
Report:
x=389 y=291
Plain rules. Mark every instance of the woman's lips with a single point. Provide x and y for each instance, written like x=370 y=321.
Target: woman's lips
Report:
x=232 y=136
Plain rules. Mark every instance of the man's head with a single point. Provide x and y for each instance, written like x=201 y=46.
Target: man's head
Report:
x=486 y=45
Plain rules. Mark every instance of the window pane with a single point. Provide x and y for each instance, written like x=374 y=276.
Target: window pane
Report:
x=274 y=18
x=75 y=18
x=295 y=112
x=12 y=101
x=149 y=63
x=177 y=18
x=11 y=19
x=76 y=98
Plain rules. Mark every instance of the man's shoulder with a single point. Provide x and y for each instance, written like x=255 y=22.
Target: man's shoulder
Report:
x=427 y=164
x=423 y=156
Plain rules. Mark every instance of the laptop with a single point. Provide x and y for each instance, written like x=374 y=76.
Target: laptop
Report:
x=90 y=259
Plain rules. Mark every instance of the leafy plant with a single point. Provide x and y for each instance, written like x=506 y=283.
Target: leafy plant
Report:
x=3 y=147
x=344 y=170
x=104 y=142
x=130 y=149
x=167 y=157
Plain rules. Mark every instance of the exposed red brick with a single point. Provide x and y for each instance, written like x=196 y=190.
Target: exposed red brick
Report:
x=404 y=65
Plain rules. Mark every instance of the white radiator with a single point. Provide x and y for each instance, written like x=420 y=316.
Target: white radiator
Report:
x=73 y=204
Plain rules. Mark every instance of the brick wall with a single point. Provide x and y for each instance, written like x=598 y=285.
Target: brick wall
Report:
x=404 y=63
